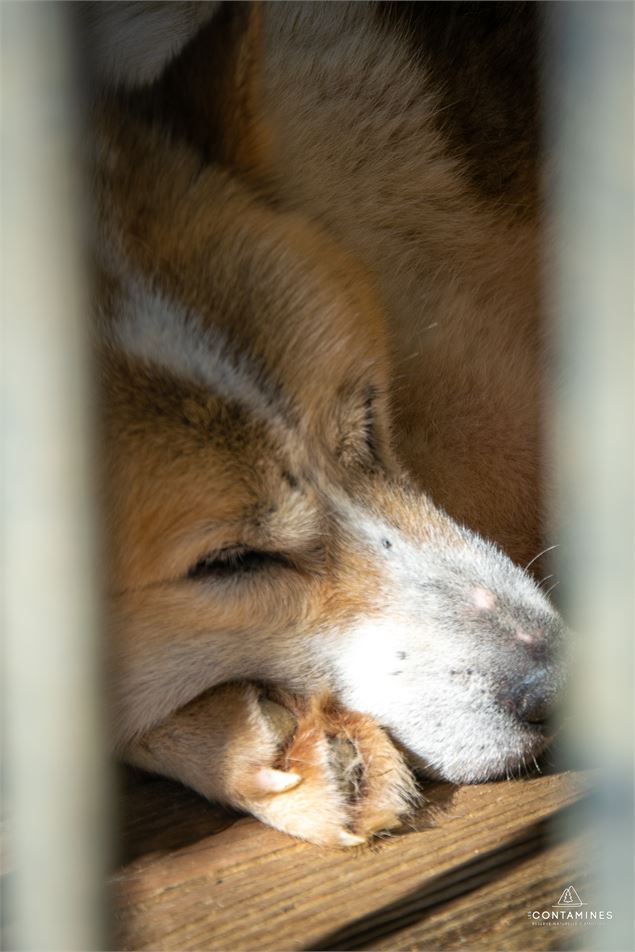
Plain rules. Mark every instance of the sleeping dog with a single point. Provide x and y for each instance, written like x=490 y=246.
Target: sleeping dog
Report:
x=321 y=365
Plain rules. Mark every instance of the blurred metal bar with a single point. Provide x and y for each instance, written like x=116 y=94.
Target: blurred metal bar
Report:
x=53 y=732
x=590 y=85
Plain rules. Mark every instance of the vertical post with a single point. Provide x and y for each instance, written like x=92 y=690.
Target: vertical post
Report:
x=53 y=737
x=590 y=87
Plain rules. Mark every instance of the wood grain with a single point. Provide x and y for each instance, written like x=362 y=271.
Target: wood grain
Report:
x=194 y=876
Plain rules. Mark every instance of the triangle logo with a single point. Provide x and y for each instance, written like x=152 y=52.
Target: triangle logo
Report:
x=569 y=899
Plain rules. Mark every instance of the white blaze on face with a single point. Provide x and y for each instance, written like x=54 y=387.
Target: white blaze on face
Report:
x=367 y=663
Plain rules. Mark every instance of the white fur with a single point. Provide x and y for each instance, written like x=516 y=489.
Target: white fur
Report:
x=420 y=665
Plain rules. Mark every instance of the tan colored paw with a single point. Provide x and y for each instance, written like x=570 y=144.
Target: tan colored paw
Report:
x=336 y=780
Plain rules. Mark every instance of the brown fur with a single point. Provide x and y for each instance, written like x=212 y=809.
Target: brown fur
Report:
x=223 y=187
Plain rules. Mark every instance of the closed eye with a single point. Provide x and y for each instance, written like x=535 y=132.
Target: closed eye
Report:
x=235 y=562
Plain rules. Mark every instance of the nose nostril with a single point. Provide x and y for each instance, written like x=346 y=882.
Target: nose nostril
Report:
x=534 y=710
x=530 y=700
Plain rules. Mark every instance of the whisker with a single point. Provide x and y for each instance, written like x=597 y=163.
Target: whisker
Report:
x=548 y=549
x=551 y=588
x=545 y=579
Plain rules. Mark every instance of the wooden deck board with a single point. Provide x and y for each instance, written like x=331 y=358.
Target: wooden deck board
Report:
x=195 y=877
x=495 y=916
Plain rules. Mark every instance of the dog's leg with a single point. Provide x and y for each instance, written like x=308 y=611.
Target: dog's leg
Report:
x=308 y=768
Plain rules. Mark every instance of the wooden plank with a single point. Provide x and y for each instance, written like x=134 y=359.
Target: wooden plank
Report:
x=198 y=877
x=495 y=916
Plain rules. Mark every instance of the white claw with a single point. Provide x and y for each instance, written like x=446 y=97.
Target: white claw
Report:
x=269 y=780
x=344 y=838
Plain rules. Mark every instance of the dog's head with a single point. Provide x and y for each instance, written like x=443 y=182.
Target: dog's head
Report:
x=259 y=524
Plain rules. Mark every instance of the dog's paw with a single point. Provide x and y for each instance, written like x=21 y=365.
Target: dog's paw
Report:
x=335 y=780
x=306 y=767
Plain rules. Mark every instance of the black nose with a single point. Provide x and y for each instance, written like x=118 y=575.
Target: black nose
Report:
x=530 y=699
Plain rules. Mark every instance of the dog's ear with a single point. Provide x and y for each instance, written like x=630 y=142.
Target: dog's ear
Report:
x=212 y=92
x=361 y=428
